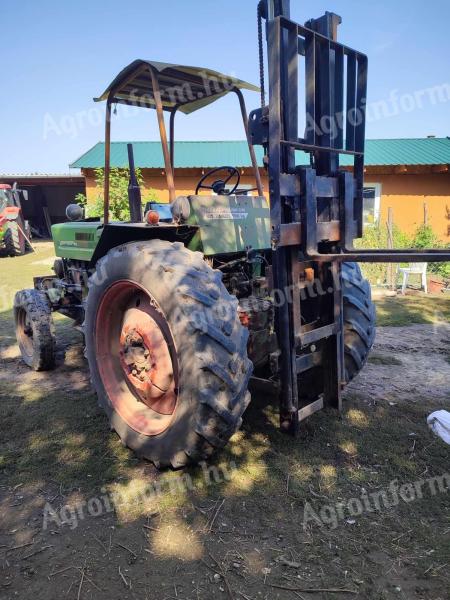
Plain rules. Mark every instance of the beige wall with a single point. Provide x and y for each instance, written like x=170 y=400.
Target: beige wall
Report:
x=185 y=182
x=405 y=193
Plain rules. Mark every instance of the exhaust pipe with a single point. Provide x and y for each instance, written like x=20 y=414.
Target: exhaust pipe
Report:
x=134 y=191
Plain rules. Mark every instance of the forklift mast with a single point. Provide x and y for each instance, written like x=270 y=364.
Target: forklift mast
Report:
x=316 y=208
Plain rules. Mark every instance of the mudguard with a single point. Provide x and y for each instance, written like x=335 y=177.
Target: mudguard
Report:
x=116 y=234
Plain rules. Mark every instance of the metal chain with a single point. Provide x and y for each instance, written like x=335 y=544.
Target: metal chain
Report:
x=261 y=56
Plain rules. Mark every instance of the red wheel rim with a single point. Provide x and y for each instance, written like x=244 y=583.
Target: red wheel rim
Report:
x=136 y=358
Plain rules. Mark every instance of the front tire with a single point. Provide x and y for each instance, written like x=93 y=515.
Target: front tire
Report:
x=166 y=351
x=35 y=330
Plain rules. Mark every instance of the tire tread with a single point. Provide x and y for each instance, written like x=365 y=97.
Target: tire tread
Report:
x=359 y=319
x=219 y=354
x=35 y=303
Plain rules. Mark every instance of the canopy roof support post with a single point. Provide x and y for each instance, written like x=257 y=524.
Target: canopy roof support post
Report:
x=172 y=135
x=163 y=134
x=259 y=184
x=107 y=160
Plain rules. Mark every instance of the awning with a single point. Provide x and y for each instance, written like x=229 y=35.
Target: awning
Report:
x=188 y=88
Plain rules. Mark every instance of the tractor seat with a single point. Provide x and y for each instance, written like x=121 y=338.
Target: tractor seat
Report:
x=181 y=209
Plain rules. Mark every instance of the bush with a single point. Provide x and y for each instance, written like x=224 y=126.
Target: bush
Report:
x=119 y=209
x=426 y=238
x=375 y=236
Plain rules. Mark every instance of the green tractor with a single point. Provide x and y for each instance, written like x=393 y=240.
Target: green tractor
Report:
x=184 y=307
x=14 y=230
x=176 y=310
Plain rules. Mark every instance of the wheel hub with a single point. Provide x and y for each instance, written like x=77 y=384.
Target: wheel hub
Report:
x=145 y=359
x=136 y=356
x=28 y=330
x=25 y=332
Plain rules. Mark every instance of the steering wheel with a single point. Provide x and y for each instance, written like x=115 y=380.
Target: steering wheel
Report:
x=218 y=187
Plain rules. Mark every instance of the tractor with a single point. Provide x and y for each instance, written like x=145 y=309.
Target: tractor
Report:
x=14 y=230
x=184 y=308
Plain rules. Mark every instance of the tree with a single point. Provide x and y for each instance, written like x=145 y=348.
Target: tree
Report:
x=119 y=209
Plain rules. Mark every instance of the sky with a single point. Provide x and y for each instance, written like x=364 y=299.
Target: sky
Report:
x=57 y=55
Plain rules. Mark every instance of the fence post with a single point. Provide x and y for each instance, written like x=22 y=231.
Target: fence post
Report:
x=390 y=243
x=425 y=213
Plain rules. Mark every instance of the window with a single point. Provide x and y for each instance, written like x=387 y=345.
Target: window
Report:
x=3 y=200
x=371 y=203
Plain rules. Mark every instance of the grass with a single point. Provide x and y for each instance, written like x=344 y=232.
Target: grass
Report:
x=383 y=359
x=61 y=422
x=16 y=274
x=52 y=433
x=407 y=310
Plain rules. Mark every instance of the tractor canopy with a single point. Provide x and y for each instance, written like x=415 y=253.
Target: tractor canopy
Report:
x=235 y=222
x=171 y=88
x=181 y=87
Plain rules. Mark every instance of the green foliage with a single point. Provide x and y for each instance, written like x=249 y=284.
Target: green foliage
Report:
x=81 y=199
x=376 y=236
x=426 y=238
x=442 y=270
x=119 y=209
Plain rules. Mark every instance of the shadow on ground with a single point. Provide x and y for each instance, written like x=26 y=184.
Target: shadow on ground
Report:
x=241 y=527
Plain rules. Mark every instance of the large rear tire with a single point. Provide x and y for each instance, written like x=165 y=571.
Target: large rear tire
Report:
x=14 y=239
x=167 y=352
x=359 y=319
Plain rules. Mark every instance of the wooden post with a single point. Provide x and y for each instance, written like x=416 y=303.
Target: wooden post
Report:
x=163 y=134
x=251 y=149
x=173 y=112
x=390 y=244
x=425 y=213
x=107 y=160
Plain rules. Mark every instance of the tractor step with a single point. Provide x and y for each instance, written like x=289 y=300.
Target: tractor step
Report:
x=308 y=361
x=314 y=335
x=310 y=409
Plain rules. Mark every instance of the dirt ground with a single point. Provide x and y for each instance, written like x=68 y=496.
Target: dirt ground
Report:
x=81 y=517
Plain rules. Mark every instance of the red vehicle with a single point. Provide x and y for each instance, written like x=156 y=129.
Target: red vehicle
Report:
x=14 y=230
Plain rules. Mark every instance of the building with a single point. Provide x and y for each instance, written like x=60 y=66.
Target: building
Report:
x=48 y=197
x=402 y=174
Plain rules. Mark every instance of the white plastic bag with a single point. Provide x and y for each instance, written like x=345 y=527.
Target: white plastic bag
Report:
x=439 y=423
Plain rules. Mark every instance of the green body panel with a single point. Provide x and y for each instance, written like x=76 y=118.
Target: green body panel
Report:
x=229 y=224
x=76 y=240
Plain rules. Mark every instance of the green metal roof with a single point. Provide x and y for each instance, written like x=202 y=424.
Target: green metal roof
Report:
x=410 y=151
x=187 y=155
x=418 y=151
